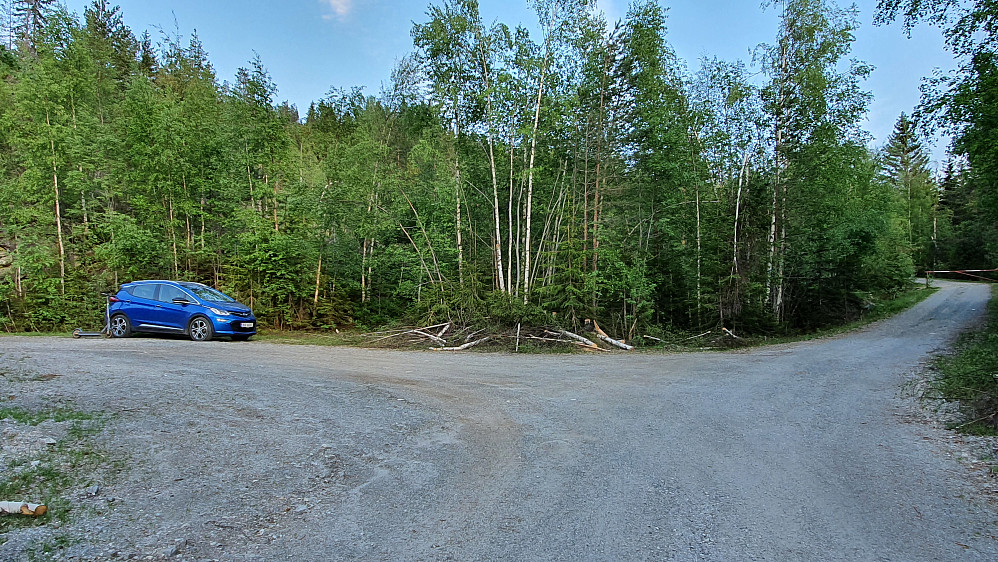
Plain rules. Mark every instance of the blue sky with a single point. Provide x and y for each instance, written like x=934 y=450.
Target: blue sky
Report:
x=310 y=46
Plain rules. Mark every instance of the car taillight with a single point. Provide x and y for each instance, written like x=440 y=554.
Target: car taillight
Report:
x=113 y=299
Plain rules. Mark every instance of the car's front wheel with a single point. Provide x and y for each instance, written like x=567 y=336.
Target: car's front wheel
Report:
x=200 y=329
x=120 y=326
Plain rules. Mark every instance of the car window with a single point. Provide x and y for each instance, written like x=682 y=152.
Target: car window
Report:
x=168 y=292
x=144 y=291
x=209 y=294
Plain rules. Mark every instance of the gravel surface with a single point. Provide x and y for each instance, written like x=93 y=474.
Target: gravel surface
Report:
x=248 y=451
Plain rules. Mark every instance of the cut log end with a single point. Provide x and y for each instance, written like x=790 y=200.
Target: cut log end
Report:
x=22 y=508
x=602 y=335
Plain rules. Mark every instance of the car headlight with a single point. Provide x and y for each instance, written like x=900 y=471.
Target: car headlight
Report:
x=220 y=312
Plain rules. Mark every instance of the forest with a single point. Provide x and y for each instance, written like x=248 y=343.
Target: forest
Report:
x=583 y=172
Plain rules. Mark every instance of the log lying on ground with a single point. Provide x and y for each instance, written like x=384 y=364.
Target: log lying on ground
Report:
x=22 y=508
x=602 y=335
x=730 y=333
x=439 y=340
x=586 y=342
x=462 y=347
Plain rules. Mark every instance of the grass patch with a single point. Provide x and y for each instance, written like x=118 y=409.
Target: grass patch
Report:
x=52 y=475
x=970 y=376
x=27 y=417
x=344 y=337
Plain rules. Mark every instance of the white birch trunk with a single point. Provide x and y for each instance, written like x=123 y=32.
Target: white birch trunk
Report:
x=173 y=238
x=533 y=153
x=738 y=207
x=509 y=219
x=699 y=257
x=58 y=209
x=318 y=274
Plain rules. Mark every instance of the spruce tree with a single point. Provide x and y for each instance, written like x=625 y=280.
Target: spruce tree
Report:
x=906 y=167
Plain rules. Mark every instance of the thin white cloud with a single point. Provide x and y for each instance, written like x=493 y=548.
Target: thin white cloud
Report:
x=341 y=8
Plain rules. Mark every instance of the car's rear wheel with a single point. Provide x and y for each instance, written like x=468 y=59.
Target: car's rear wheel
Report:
x=200 y=329
x=120 y=326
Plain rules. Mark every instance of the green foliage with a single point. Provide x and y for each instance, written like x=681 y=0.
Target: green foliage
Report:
x=905 y=164
x=497 y=311
x=964 y=103
x=281 y=265
x=499 y=179
x=131 y=250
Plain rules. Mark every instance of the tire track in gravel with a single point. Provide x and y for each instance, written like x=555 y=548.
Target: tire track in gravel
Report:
x=486 y=467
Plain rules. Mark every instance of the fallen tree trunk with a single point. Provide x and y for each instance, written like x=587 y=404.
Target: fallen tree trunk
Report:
x=578 y=338
x=439 y=340
x=22 y=508
x=602 y=335
x=462 y=347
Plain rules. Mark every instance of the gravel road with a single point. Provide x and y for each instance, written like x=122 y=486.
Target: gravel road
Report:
x=248 y=451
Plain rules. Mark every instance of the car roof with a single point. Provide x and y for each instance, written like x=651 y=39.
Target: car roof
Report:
x=181 y=283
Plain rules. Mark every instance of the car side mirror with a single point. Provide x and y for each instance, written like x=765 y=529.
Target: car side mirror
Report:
x=180 y=300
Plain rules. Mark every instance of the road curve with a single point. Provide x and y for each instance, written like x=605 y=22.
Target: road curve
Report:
x=254 y=450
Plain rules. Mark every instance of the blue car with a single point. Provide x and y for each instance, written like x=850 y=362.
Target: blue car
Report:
x=178 y=307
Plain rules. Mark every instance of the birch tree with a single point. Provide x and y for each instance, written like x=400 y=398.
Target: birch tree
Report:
x=814 y=106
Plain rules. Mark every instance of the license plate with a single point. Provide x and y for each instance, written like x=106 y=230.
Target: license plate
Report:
x=246 y=325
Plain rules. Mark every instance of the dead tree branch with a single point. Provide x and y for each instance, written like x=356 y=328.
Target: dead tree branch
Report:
x=464 y=346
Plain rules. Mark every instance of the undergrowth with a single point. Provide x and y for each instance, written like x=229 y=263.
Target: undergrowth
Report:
x=970 y=376
x=503 y=320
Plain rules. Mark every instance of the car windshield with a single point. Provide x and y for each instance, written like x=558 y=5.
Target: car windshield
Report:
x=209 y=294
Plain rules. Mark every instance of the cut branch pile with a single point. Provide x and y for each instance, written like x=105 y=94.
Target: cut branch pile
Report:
x=448 y=337
x=414 y=335
x=432 y=334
